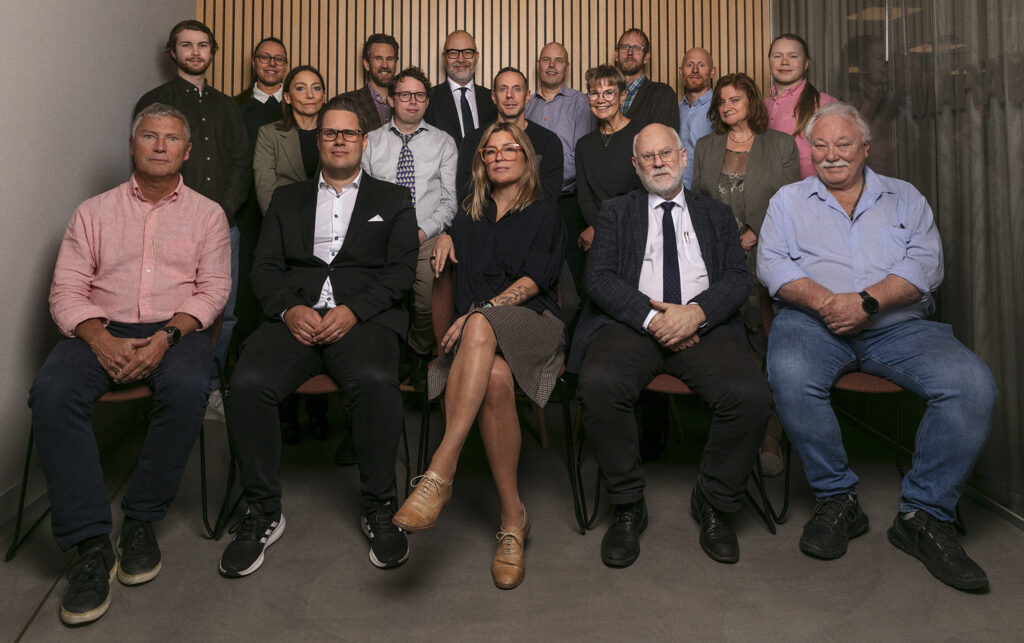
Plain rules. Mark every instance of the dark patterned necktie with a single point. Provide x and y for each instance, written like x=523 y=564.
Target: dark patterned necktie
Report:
x=406 y=171
x=467 y=112
x=672 y=291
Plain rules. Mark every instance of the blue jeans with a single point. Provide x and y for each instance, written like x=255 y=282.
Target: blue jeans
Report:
x=923 y=357
x=221 y=351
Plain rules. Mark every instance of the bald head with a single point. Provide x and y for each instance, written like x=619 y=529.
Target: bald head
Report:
x=552 y=65
x=697 y=72
x=460 y=56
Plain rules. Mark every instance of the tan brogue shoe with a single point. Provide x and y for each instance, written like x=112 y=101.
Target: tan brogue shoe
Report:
x=421 y=509
x=509 y=565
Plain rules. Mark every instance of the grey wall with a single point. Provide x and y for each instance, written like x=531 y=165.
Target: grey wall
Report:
x=73 y=72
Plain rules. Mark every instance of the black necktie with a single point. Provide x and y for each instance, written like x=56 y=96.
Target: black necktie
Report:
x=467 y=113
x=672 y=291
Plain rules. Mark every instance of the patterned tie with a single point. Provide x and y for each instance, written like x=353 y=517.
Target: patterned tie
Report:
x=467 y=113
x=406 y=171
x=673 y=293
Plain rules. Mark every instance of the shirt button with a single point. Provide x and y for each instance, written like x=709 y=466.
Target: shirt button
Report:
x=206 y=138
x=208 y=179
x=207 y=158
x=204 y=119
x=147 y=270
x=335 y=238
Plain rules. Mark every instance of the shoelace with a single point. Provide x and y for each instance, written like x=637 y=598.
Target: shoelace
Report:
x=829 y=510
x=508 y=541
x=89 y=569
x=379 y=519
x=138 y=537
x=422 y=482
x=941 y=534
x=248 y=528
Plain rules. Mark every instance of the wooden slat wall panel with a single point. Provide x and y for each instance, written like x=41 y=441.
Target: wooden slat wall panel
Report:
x=329 y=34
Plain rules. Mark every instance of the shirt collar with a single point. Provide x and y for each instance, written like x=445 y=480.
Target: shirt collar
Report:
x=456 y=87
x=773 y=92
x=873 y=188
x=562 y=91
x=187 y=86
x=654 y=201
x=322 y=184
x=263 y=97
x=377 y=98
x=635 y=85
x=398 y=132
x=137 y=191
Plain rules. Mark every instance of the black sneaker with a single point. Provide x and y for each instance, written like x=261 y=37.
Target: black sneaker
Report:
x=932 y=542
x=253 y=534
x=836 y=520
x=388 y=545
x=140 y=554
x=87 y=596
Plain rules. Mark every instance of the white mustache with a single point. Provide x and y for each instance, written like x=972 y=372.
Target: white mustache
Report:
x=834 y=164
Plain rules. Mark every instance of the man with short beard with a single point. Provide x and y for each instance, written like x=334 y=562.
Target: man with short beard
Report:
x=666 y=276
x=646 y=101
x=219 y=165
x=458 y=106
x=380 y=61
x=696 y=72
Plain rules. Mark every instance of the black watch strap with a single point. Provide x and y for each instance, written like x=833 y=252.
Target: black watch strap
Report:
x=173 y=335
x=869 y=303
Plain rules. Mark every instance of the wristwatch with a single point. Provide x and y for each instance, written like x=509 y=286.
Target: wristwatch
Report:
x=173 y=335
x=870 y=304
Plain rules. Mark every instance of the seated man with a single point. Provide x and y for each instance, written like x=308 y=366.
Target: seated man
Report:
x=141 y=268
x=335 y=257
x=853 y=258
x=666 y=277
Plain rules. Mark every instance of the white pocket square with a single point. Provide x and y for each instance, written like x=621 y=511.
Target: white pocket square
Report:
x=376 y=219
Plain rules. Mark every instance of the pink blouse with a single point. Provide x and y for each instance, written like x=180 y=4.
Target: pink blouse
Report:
x=782 y=117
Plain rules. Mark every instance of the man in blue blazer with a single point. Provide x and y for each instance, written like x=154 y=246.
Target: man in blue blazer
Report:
x=336 y=256
x=666 y=276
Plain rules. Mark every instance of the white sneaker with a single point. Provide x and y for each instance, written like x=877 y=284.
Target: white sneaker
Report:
x=215 y=406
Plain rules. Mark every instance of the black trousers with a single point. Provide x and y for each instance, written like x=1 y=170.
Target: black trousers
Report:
x=619 y=362
x=364 y=363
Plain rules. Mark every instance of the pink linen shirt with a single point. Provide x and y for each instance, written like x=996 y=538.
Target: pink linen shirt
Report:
x=124 y=259
x=782 y=117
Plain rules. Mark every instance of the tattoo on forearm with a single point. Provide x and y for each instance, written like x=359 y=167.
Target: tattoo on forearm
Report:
x=514 y=296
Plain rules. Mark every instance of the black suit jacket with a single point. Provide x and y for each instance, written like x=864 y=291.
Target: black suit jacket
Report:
x=369 y=117
x=655 y=103
x=617 y=255
x=371 y=274
x=442 y=111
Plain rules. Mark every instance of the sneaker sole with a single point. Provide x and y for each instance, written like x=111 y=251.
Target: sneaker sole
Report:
x=135 y=579
x=897 y=540
x=376 y=562
x=859 y=529
x=78 y=618
x=274 y=536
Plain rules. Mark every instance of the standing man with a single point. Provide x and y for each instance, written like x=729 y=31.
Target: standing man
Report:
x=566 y=112
x=646 y=101
x=413 y=153
x=854 y=257
x=335 y=258
x=219 y=166
x=458 y=106
x=141 y=268
x=511 y=94
x=380 y=60
x=666 y=277
x=698 y=73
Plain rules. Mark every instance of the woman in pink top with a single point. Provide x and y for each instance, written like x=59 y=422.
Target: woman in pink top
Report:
x=792 y=100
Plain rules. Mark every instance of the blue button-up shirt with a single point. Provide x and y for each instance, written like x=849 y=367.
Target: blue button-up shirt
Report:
x=568 y=116
x=694 y=124
x=808 y=234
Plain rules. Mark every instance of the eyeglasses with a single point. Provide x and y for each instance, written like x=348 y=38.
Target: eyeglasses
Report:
x=348 y=135
x=632 y=49
x=405 y=97
x=665 y=156
x=607 y=95
x=505 y=152
x=452 y=54
x=267 y=58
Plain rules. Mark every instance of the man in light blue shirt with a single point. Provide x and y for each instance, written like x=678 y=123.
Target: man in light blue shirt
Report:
x=697 y=73
x=852 y=257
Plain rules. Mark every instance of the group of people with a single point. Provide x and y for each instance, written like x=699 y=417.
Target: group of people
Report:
x=380 y=191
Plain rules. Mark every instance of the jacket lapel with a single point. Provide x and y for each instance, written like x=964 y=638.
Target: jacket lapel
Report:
x=292 y=152
x=306 y=212
x=702 y=227
x=361 y=211
x=757 y=163
x=638 y=228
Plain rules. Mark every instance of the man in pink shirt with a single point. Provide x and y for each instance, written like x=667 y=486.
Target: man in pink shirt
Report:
x=141 y=268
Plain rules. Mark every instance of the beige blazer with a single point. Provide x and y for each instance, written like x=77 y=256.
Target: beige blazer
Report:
x=276 y=161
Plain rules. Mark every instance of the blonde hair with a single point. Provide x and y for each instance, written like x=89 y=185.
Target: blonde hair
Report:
x=528 y=189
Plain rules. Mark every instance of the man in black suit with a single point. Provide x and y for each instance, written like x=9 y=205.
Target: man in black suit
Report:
x=666 y=276
x=380 y=62
x=335 y=257
x=458 y=106
x=646 y=100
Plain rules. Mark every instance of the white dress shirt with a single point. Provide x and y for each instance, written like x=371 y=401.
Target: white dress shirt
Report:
x=471 y=97
x=263 y=97
x=333 y=214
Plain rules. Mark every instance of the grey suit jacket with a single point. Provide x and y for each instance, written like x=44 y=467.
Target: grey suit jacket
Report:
x=276 y=161
x=617 y=255
x=774 y=161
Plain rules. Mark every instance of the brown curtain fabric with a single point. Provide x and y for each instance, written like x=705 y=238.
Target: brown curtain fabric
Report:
x=942 y=83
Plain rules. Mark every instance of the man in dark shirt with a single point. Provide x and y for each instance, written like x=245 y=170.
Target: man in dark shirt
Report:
x=219 y=165
x=510 y=93
x=380 y=59
x=646 y=101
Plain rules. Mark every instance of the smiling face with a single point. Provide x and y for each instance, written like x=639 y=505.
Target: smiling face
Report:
x=193 y=52
x=159 y=147
x=659 y=161
x=381 y=64
x=340 y=158
x=552 y=65
x=269 y=74
x=510 y=95
x=697 y=71
x=732 y=108
x=305 y=94
x=509 y=163
x=788 y=62
x=605 y=100
x=462 y=68
x=838 y=151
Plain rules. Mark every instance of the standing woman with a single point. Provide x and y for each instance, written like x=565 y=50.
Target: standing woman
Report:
x=743 y=163
x=506 y=248
x=604 y=165
x=792 y=99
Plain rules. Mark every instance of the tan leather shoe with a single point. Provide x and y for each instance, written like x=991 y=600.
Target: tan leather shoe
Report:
x=421 y=509
x=509 y=564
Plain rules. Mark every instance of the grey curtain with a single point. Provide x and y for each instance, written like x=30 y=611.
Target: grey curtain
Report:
x=942 y=83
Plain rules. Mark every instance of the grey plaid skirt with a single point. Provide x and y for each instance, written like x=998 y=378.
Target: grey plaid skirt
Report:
x=532 y=344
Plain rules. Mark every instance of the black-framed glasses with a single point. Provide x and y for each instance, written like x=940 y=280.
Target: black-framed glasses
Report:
x=452 y=54
x=347 y=135
x=405 y=97
x=665 y=156
x=505 y=152
x=632 y=49
x=266 y=58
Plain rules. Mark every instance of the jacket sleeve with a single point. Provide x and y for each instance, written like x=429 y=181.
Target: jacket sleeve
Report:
x=605 y=284
x=264 y=167
x=237 y=189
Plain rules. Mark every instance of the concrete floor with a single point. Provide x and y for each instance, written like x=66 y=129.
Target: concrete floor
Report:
x=318 y=584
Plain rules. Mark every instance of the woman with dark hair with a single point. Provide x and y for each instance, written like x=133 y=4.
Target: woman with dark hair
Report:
x=743 y=163
x=506 y=249
x=792 y=99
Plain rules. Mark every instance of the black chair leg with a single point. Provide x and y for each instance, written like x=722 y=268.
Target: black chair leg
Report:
x=424 y=445
x=19 y=538
x=764 y=509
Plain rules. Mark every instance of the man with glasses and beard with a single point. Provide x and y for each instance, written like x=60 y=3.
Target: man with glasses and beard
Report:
x=380 y=60
x=458 y=106
x=646 y=101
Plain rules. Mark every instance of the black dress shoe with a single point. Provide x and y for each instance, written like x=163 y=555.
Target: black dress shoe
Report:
x=717 y=538
x=621 y=544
